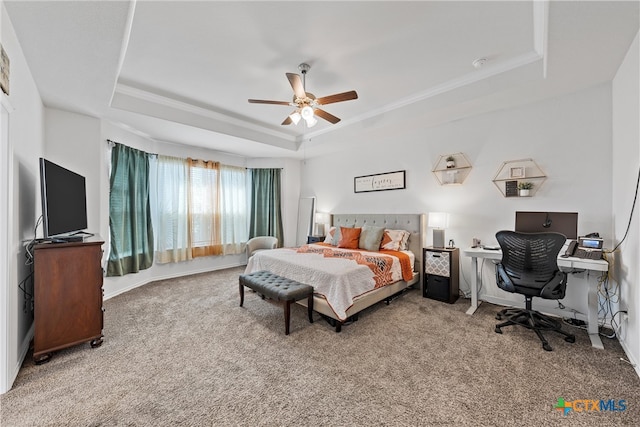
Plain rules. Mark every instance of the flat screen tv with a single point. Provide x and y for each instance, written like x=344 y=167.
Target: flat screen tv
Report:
x=64 y=200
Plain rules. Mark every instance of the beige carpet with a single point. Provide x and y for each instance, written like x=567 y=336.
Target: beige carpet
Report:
x=182 y=352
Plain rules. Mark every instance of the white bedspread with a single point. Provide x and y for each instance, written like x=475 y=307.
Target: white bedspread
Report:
x=338 y=280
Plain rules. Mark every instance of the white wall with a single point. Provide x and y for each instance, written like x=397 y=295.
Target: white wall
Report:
x=26 y=130
x=72 y=142
x=569 y=137
x=626 y=164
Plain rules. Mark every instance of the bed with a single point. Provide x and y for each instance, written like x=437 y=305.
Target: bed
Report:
x=344 y=286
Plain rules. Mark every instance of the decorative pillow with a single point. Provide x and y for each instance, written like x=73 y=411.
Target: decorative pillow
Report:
x=329 y=236
x=394 y=240
x=370 y=238
x=337 y=235
x=350 y=238
x=404 y=244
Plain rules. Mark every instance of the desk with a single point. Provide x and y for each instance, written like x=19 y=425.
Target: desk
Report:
x=564 y=263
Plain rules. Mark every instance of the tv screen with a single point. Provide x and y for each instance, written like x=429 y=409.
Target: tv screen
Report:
x=540 y=222
x=64 y=199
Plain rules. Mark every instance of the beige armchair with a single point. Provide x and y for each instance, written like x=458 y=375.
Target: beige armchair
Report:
x=260 y=243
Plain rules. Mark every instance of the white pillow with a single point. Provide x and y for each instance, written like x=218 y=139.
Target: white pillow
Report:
x=330 y=234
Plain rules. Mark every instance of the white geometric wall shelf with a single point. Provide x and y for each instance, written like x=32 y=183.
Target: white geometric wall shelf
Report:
x=452 y=169
x=515 y=174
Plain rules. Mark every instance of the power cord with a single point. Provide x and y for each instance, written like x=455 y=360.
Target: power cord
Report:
x=633 y=205
x=27 y=300
x=609 y=294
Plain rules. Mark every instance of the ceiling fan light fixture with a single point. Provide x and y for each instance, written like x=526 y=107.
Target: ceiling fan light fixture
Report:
x=306 y=112
x=295 y=117
x=306 y=105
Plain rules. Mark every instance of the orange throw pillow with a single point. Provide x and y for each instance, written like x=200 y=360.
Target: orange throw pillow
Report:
x=349 y=238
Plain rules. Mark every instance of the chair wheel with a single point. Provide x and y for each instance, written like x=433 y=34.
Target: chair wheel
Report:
x=498 y=316
x=498 y=330
x=570 y=338
x=546 y=346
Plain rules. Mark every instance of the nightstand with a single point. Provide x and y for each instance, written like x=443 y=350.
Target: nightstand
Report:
x=315 y=239
x=440 y=275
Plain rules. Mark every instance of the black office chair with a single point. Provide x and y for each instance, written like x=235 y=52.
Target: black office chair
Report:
x=529 y=267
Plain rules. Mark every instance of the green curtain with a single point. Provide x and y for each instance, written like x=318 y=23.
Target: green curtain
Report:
x=129 y=212
x=266 y=212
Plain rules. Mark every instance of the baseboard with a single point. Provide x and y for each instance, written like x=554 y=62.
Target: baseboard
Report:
x=165 y=277
x=632 y=361
x=24 y=349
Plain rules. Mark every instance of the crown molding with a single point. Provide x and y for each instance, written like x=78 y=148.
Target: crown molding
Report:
x=189 y=108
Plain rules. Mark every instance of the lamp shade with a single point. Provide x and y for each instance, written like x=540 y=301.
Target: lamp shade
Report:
x=306 y=112
x=311 y=121
x=438 y=220
x=295 y=117
x=322 y=218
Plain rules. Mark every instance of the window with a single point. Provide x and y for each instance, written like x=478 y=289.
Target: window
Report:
x=198 y=208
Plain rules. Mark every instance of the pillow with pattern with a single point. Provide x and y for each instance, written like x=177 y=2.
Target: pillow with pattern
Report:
x=329 y=237
x=395 y=240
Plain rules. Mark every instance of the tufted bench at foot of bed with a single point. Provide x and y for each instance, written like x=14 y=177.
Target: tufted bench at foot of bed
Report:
x=278 y=288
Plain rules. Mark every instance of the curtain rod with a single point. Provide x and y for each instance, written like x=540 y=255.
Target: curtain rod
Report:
x=111 y=143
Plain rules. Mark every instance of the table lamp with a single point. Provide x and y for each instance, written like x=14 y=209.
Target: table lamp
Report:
x=438 y=221
x=321 y=219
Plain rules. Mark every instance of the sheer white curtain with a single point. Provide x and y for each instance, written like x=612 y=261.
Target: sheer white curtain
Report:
x=170 y=208
x=204 y=207
x=234 y=208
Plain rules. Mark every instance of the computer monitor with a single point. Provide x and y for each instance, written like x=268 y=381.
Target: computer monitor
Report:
x=540 y=222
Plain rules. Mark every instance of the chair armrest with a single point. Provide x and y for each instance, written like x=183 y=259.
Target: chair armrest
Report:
x=503 y=280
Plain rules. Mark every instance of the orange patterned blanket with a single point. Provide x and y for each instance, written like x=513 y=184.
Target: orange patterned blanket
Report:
x=379 y=263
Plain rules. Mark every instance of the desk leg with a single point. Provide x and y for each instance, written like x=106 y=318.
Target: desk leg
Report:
x=592 y=313
x=474 y=285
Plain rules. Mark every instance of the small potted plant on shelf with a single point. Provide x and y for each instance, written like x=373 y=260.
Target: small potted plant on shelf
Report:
x=451 y=162
x=524 y=188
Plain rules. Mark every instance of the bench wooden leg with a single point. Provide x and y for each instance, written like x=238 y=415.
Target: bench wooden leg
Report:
x=241 y=294
x=287 y=316
x=310 y=307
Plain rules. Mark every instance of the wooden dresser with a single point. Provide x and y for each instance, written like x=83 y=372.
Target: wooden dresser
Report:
x=67 y=296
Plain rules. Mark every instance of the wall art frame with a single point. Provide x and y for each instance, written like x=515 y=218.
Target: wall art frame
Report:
x=516 y=172
x=380 y=182
x=4 y=70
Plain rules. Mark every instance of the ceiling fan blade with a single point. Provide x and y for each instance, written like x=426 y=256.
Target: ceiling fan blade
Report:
x=287 y=121
x=328 y=117
x=338 y=97
x=296 y=84
x=262 y=101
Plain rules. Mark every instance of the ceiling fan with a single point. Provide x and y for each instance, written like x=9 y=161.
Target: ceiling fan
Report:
x=305 y=103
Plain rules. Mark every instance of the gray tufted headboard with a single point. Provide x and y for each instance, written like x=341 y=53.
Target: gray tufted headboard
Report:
x=413 y=223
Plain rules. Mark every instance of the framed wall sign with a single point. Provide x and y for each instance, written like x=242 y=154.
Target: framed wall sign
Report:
x=379 y=182
x=510 y=188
